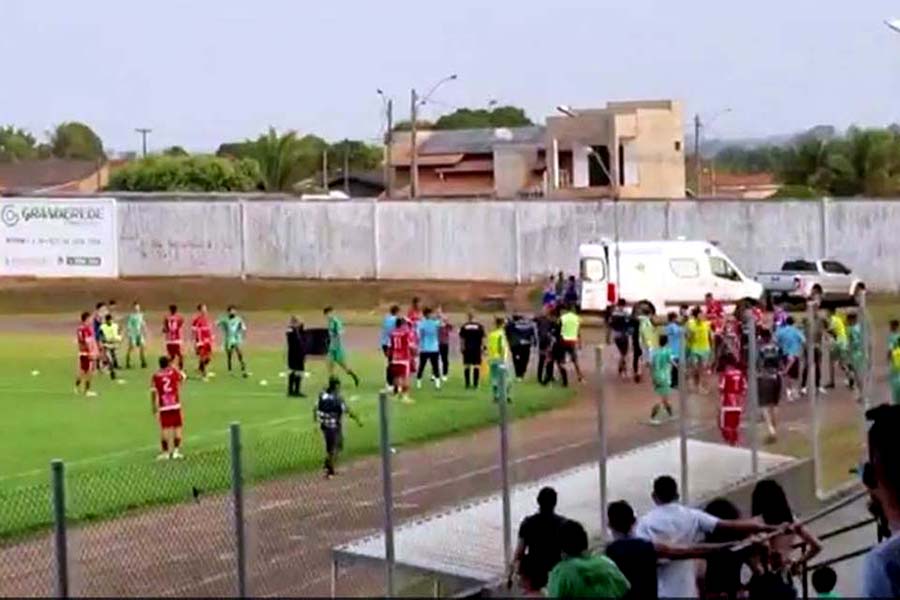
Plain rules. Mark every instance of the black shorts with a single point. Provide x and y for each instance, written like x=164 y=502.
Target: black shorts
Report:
x=769 y=390
x=472 y=358
x=793 y=367
x=570 y=349
x=334 y=440
x=674 y=372
x=621 y=342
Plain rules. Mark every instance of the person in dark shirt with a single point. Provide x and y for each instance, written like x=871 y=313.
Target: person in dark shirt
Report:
x=570 y=297
x=539 y=538
x=329 y=414
x=296 y=357
x=544 y=329
x=522 y=335
x=637 y=353
x=471 y=342
x=721 y=575
x=637 y=558
x=444 y=332
x=619 y=325
x=556 y=353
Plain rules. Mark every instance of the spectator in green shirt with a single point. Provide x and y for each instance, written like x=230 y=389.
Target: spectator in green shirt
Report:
x=581 y=574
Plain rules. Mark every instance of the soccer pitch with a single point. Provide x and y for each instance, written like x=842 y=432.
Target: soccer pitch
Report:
x=109 y=443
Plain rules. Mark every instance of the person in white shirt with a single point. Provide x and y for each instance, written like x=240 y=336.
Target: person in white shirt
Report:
x=674 y=524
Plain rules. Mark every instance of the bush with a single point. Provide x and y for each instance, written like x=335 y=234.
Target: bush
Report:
x=798 y=192
x=187 y=174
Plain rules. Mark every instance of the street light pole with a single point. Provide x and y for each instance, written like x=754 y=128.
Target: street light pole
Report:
x=567 y=111
x=143 y=131
x=388 y=104
x=414 y=151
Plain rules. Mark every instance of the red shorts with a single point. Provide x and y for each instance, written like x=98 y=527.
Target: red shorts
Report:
x=170 y=419
x=85 y=363
x=204 y=350
x=173 y=350
x=399 y=370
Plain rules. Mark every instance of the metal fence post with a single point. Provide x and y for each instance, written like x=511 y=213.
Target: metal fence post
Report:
x=387 y=491
x=812 y=391
x=237 y=493
x=752 y=391
x=58 y=483
x=683 y=413
x=816 y=409
x=602 y=451
x=376 y=241
x=862 y=370
x=502 y=398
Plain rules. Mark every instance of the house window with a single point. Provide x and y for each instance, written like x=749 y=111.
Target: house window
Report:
x=598 y=175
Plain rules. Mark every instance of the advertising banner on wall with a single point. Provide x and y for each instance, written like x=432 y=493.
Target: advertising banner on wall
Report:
x=58 y=237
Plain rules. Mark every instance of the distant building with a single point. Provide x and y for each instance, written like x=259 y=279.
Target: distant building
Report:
x=53 y=175
x=749 y=186
x=368 y=184
x=637 y=152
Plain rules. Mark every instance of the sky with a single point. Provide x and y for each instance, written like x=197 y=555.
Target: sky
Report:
x=200 y=72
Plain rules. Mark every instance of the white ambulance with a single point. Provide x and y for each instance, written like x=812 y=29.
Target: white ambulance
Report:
x=660 y=274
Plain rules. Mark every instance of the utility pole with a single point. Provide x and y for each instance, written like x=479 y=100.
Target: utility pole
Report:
x=388 y=142
x=143 y=131
x=698 y=164
x=414 y=151
x=325 y=169
x=347 y=166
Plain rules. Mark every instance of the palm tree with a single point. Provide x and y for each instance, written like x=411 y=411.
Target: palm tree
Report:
x=278 y=157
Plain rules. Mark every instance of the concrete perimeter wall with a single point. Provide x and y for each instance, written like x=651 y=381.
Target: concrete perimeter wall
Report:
x=484 y=240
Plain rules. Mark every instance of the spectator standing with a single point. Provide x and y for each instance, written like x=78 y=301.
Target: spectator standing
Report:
x=674 y=524
x=769 y=504
x=881 y=568
x=769 y=381
x=571 y=295
x=814 y=332
x=619 y=324
x=428 y=329
x=791 y=343
x=522 y=335
x=296 y=357
x=721 y=572
x=388 y=325
x=637 y=558
x=580 y=574
x=329 y=414
x=560 y=287
x=539 y=539
x=824 y=580
x=446 y=328
x=549 y=297
x=544 y=329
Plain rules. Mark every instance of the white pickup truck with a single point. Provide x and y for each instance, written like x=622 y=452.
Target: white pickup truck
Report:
x=801 y=280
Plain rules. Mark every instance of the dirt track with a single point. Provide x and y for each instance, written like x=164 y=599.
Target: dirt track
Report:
x=293 y=523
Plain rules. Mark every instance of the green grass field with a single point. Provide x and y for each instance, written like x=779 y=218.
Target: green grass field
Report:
x=109 y=443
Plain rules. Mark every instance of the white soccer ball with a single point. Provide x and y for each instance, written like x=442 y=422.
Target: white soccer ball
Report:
x=282 y=375
x=35 y=373
x=263 y=382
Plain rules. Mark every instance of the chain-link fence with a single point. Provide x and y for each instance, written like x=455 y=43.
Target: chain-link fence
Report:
x=408 y=518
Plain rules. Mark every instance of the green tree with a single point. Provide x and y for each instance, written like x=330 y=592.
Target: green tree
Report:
x=278 y=157
x=16 y=144
x=187 y=173
x=480 y=118
x=407 y=125
x=77 y=141
x=360 y=156
x=175 y=151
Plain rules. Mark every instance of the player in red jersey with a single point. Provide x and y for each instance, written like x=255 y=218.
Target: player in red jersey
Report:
x=732 y=392
x=173 y=323
x=165 y=400
x=414 y=314
x=202 y=332
x=87 y=355
x=400 y=353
